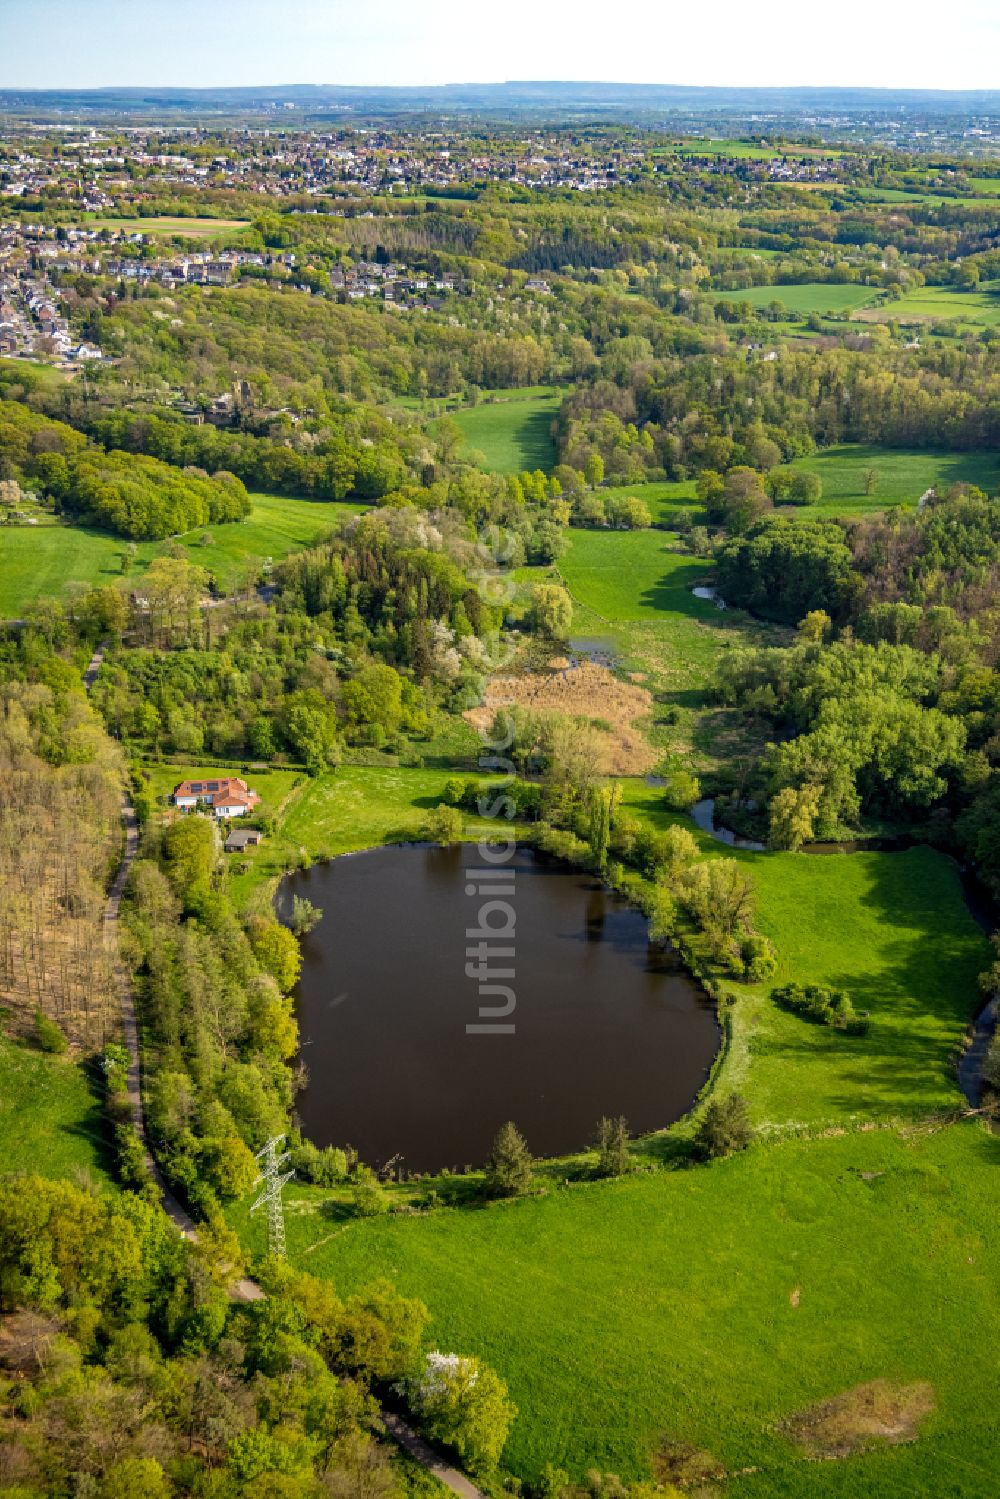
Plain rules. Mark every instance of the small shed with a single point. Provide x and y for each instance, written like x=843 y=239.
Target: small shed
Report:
x=241 y=838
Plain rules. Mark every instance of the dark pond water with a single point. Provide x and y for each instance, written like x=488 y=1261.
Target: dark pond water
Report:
x=603 y=1024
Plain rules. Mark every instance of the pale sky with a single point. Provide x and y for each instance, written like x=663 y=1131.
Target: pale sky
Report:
x=875 y=43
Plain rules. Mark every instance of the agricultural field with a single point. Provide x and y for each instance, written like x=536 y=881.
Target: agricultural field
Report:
x=51 y=1116
x=512 y=434
x=164 y=226
x=903 y=475
x=734 y=150
x=38 y=562
x=805 y=298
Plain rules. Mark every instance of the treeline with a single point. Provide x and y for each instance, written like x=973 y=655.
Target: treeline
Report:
x=138 y=497
x=671 y=418
x=128 y=1371
x=888 y=705
x=220 y=1032
x=359 y=455
x=60 y=795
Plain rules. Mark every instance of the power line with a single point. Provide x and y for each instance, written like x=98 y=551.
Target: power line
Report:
x=272 y=1179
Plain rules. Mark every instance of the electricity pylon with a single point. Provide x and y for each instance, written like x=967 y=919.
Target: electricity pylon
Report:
x=272 y=1179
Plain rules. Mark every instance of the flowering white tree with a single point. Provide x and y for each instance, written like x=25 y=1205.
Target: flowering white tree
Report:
x=462 y=1402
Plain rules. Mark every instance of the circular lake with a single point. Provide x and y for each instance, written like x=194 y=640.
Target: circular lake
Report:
x=602 y=1023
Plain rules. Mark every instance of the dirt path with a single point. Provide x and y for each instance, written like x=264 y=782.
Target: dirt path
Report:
x=244 y=1289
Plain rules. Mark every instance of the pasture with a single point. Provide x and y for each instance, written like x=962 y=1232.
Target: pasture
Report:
x=709 y=1304
x=903 y=475
x=632 y=587
x=633 y=575
x=934 y=304
x=43 y=562
x=276 y=526
x=807 y=297
x=512 y=434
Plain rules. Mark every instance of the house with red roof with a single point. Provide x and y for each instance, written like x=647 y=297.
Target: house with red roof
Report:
x=226 y=797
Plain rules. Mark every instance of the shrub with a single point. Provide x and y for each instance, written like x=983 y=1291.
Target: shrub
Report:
x=725 y=1128
x=50 y=1036
x=443 y=825
x=612 y=1146
x=822 y=1004
x=304 y=915
x=682 y=791
x=323 y=1168
x=758 y=957
x=370 y=1201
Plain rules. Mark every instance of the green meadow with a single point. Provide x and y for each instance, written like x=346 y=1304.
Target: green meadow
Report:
x=633 y=575
x=708 y=1304
x=39 y=562
x=512 y=434
x=930 y=304
x=805 y=298
x=354 y=807
x=903 y=475
x=276 y=526
x=51 y=1119
x=163 y=225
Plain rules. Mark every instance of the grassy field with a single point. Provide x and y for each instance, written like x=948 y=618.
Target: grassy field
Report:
x=714 y=146
x=50 y=1117
x=903 y=475
x=662 y=498
x=631 y=587
x=633 y=575
x=893 y=930
x=277 y=525
x=189 y=228
x=810 y=296
x=709 y=1304
x=930 y=304
x=46 y=374
x=512 y=434
x=41 y=562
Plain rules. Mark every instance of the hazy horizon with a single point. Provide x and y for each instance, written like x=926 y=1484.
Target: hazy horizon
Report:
x=61 y=44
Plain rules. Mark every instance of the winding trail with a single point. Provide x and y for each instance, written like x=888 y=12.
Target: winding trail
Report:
x=244 y=1289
